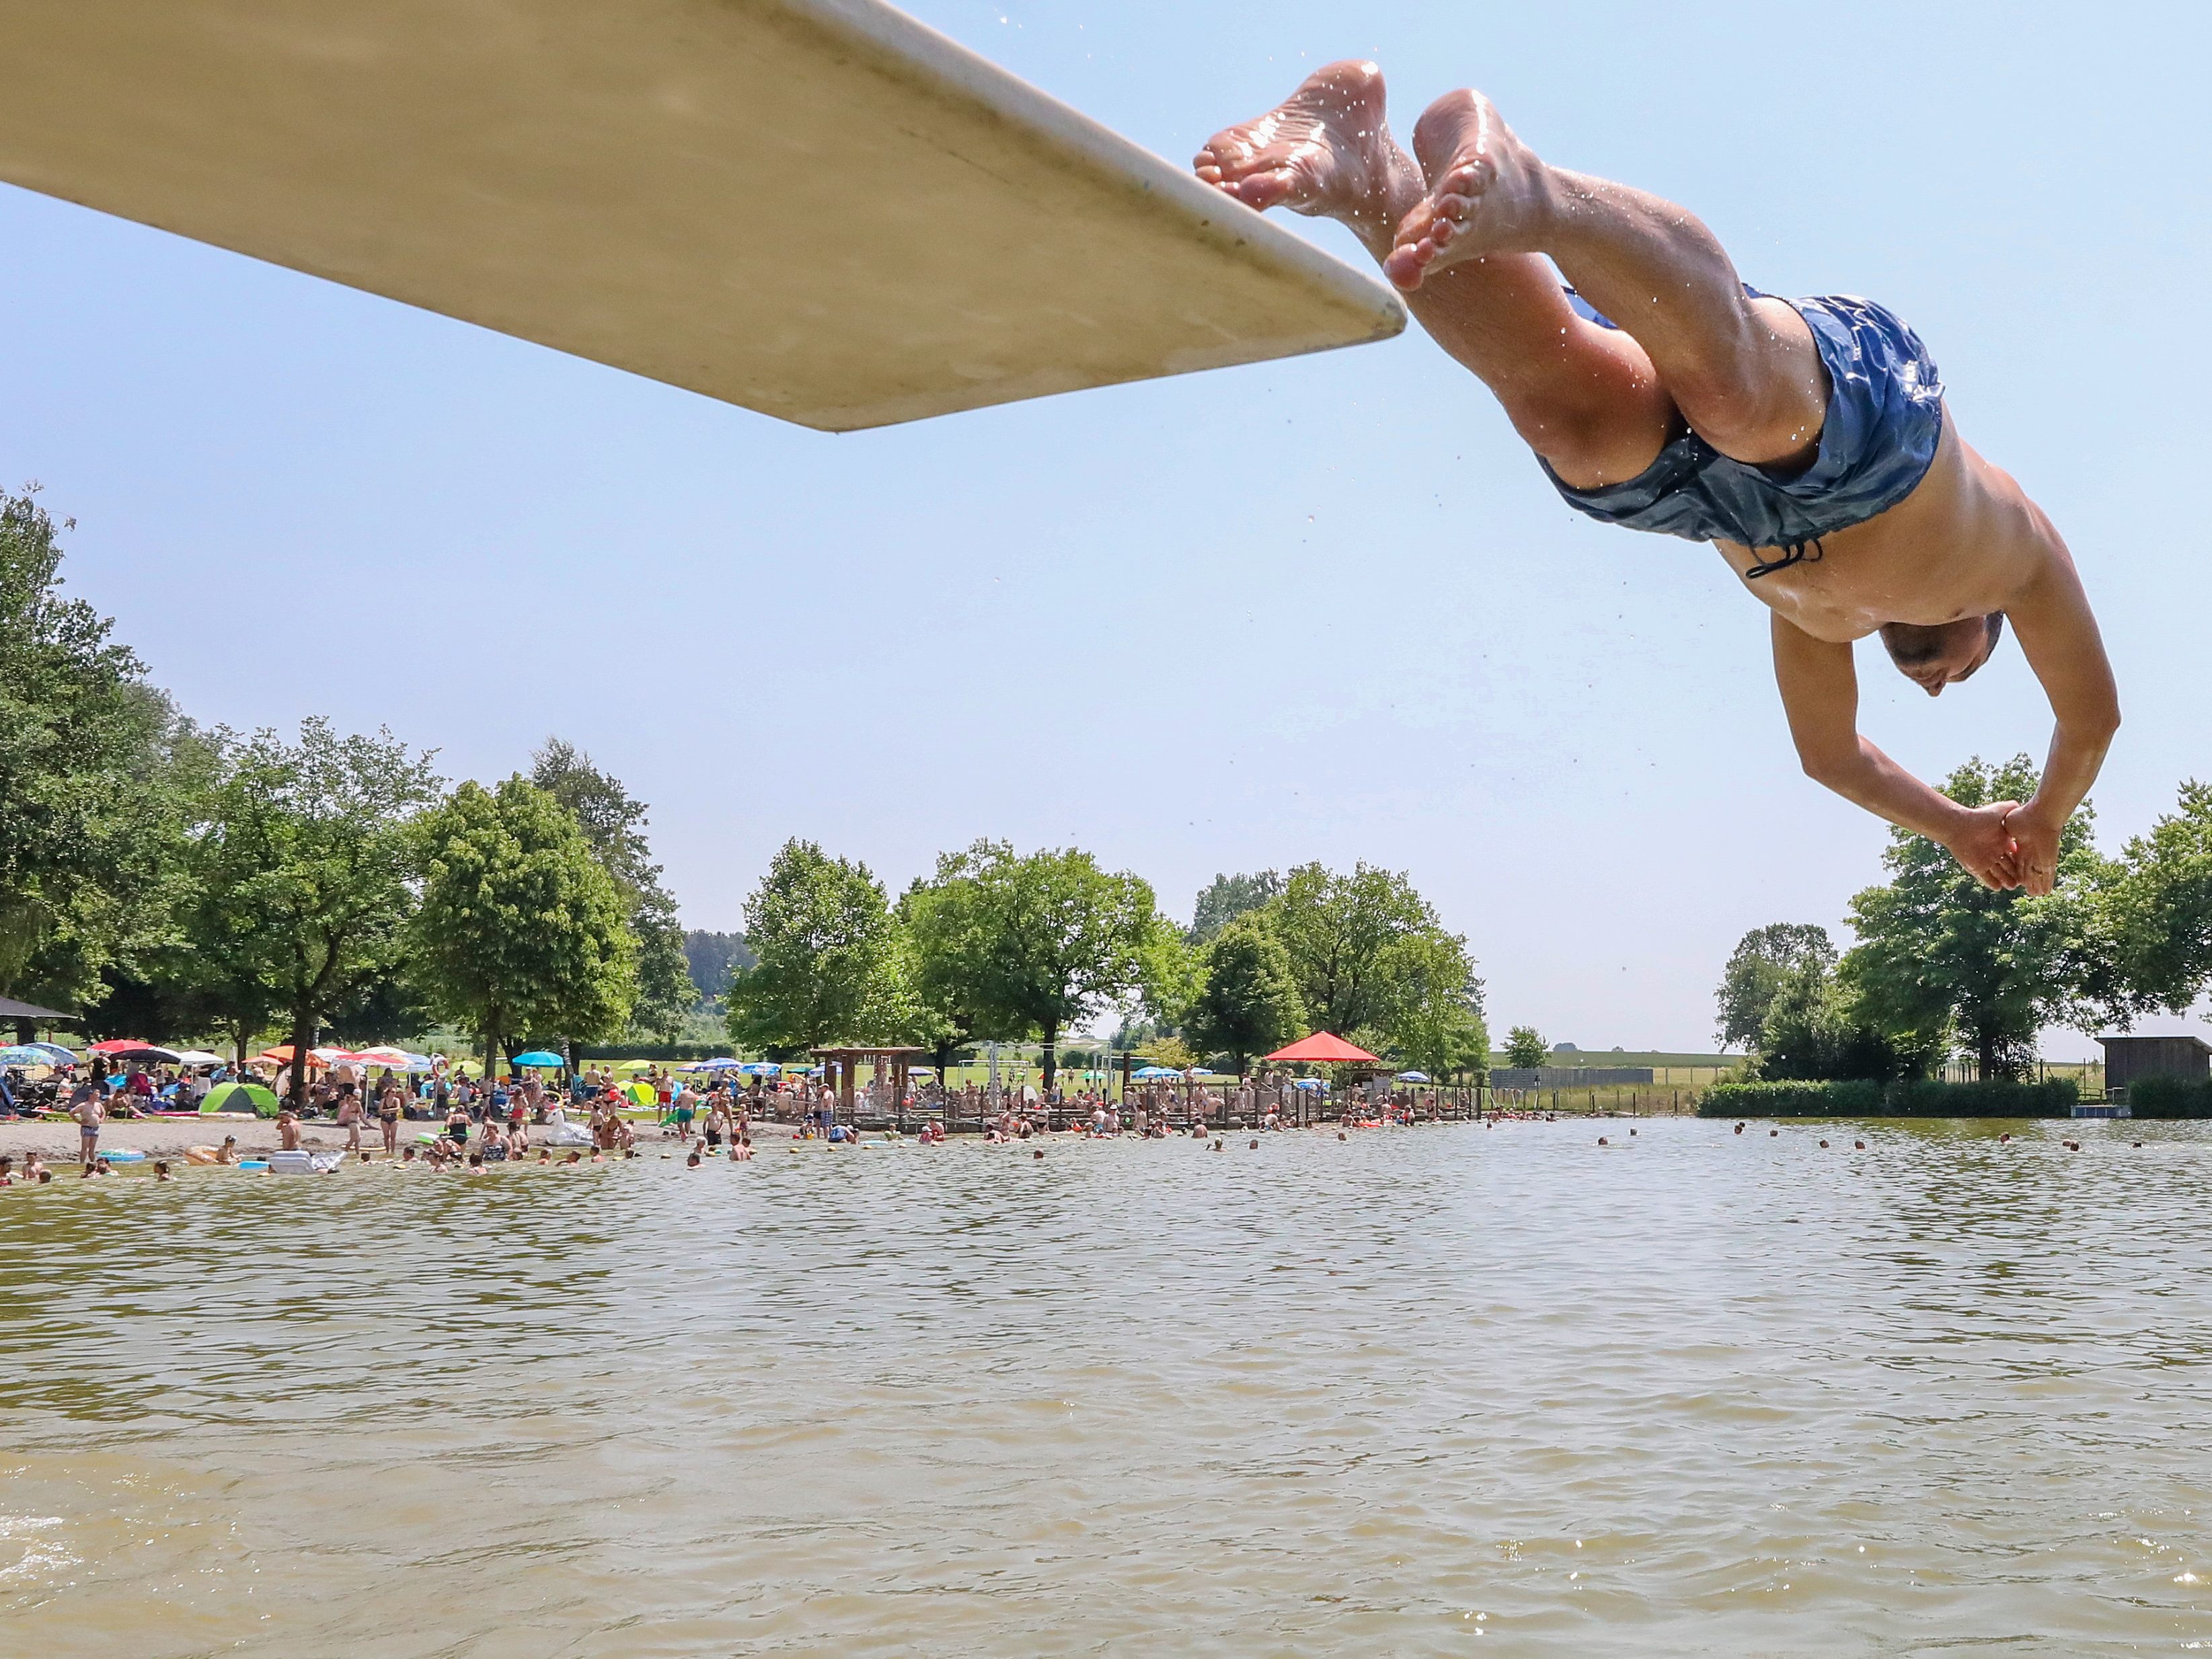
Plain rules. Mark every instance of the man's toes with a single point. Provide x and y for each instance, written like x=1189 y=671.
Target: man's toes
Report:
x=1262 y=189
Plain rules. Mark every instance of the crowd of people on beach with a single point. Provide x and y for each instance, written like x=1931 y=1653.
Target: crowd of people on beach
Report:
x=593 y=1114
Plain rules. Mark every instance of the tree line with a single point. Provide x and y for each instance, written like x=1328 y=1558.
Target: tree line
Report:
x=1944 y=966
x=168 y=880
x=997 y=945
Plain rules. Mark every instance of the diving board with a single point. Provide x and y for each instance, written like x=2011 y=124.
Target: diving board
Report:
x=818 y=208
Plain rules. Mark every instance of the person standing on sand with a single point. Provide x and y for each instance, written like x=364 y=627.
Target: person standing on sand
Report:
x=387 y=1117
x=1806 y=440
x=88 y=1106
x=350 y=1115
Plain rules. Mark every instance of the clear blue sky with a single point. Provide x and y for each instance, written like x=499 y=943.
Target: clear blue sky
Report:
x=1323 y=609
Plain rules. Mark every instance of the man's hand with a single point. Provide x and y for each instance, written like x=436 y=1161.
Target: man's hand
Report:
x=2036 y=838
x=1985 y=846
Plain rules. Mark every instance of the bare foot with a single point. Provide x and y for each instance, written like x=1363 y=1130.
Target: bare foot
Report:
x=1486 y=194
x=1323 y=151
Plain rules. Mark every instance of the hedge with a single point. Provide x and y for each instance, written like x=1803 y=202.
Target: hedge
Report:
x=2170 y=1097
x=652 y=1050
x=1918 y=1097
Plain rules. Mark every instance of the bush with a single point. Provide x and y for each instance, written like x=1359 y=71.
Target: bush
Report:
x=1993 y=1098
x=651 y=1051
x=1912 y=1098
x=1854 y=1099
x=2169 y=1097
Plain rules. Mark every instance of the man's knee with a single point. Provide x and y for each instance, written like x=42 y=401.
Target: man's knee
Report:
x=1589 y=446
x=1759 y=398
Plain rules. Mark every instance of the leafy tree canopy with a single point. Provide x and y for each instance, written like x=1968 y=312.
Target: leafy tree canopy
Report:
x=1762 y=959
x=87 y=823
x=614 y=823
x=832 y=965
x=1369 y=958
x=712 y=959
x=1525 y=1048
x=1008 y=945
x=1227 y=897
x=301 y=865
x=2159 y=913
x=1248 y=1003
x=1814 y=1031
x=1940 y=957
x=521 y=930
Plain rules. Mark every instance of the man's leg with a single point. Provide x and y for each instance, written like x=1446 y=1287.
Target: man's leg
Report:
x=1585 y=398
x=1473 y=224
x=1744 y=374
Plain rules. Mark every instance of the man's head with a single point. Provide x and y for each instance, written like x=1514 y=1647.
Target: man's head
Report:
x=1933 y=657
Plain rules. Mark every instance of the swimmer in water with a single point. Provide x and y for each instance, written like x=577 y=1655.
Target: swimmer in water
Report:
x=1808 y=440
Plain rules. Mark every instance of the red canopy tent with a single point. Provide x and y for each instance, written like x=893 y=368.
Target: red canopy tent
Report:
x=1322 y=1047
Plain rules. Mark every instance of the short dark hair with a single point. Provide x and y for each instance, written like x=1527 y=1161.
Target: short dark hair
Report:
x=1911 y=644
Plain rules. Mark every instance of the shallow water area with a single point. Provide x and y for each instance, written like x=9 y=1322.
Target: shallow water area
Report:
x=1442 y=1390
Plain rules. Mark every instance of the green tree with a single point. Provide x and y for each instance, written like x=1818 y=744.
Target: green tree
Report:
x=302 y=866
x=1815 y=1030
x=1762 y=959
x=521 y=932
x=831 y=964
x=88 y=829
x=1941 y=956
x=2157 y=908
x=614 y=823
x=1224 y=898
x=1248 y=1004
x=712 y=958
x=1525 y=1048
x=1436 y=1025
x=1343 y=935
x=1009 y=945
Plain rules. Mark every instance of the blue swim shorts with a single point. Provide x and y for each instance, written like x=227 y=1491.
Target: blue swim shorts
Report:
x=1884 y=419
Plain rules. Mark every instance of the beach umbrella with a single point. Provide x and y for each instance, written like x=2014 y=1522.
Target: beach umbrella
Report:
x=145 y=1051
x=540 y=1057
x=24 y=1054
x=328 y=1054
x=382 y=1056
x=282 y=1055
x=421 y=1063
x=1147 y=1073
x=760 y=1068
x=1322 y=1046
x=240 y=1097
x=1308 y=1083
x=643 y=1094
x=1412 y=1077
x=198 y=1057
x=116 y=1046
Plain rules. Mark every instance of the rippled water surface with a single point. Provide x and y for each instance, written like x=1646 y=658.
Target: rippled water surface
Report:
x=1444 y=1390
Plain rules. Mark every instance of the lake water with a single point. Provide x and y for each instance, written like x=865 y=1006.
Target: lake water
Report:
x=1445 y=1390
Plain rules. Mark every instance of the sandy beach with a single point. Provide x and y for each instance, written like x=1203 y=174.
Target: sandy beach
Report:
x=163 y=1136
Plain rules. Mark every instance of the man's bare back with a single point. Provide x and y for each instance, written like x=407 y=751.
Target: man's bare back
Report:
x=1660 y=392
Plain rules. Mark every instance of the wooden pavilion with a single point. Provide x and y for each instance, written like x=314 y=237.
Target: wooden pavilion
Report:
x=844 y=1062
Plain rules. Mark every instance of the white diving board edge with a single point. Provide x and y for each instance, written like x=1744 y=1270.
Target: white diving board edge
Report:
x=818 y=208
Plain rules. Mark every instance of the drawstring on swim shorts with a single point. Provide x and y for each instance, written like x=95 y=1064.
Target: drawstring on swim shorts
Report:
x=1794 y=553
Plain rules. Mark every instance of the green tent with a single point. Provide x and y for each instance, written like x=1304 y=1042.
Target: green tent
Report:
x=240 y=1097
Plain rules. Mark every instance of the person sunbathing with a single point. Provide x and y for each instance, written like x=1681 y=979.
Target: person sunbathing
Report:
x=1806 y=440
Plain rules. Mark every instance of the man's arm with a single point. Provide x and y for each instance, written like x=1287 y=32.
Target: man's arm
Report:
x=1820 y=688
x=2058 y=635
